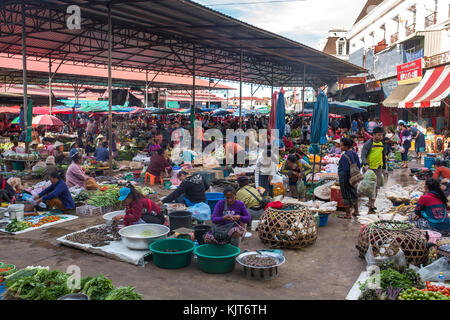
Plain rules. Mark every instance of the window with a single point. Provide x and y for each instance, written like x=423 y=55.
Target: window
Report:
x=341 y=46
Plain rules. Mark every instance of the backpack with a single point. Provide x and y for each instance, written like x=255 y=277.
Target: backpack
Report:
x=355 y=173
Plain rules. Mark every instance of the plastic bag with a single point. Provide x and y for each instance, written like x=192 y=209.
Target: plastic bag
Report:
x=300 y=187
x=368 y=185
x=398 y=258
x=200 y=211
x=39 y=166
x=431 y=272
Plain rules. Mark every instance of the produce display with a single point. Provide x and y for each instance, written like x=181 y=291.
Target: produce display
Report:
x=82 y=196
x=97 y=237
x=13 y=156
x=7 y=269
x=6 y=146
x=107 y=198
x=126 y=155
x=407 y=194
x=256 y=260
x=38 y=283
x=31 y=222
x=416 y=294
x=16 y=226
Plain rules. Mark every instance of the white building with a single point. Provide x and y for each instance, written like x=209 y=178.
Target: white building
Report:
x=337 y=44
x=391 y=33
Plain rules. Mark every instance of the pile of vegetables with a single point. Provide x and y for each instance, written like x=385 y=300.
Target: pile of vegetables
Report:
x=403 y=284
x=16 y=225
x=7 y=269
x=145 y=190
x=6 y=146
x=82 y=196
x=37 y=283
x=107 y=198
x=125 y=155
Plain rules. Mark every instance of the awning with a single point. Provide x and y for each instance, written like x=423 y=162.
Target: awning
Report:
x=399 y=94
x=360 y=104
x=433 y=88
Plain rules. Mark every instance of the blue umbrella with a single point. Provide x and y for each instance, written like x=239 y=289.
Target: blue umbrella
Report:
x=280 y=122
x=319 y=123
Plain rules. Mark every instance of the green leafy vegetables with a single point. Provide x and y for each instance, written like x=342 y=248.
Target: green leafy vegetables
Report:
x=105 y=198
x=123 y=293
x=98 y=288
x=16 y=226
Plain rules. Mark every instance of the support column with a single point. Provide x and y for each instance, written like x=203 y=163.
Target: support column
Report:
x=251 y=96
x=109 y=89
x=240 y=90
x=303 y=93
x=146 y=88
x=50 y=84
x=24 y=75
x=193 y=88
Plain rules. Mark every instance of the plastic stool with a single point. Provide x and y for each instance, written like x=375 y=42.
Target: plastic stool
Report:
x=153 y=179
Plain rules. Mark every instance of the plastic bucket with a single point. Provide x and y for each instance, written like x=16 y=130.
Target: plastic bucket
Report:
x=429 y=162
x=165 y=256
x=16 y=211
x=214 y=258
x=19 y=166
x=199 y=231
x=179 y=219
x=167 y=184
x=212 y=198
x=323 y=220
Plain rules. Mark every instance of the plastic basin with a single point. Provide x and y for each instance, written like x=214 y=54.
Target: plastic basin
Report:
x=433 y=236
x=323 y=220
x=212 y=198
x=179 y=219
x=164 y=258
x=214 y=258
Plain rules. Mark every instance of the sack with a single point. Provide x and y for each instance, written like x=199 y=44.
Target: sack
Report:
x=355 y=173
x=220 y=231
x=398 y=258
x=91 y=184
x=368 y=185
x=431 y=272
x=200 y=211
x=300 y=187
x=401 y=150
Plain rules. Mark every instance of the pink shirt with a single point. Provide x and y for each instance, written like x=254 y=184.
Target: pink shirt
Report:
x=75 y=176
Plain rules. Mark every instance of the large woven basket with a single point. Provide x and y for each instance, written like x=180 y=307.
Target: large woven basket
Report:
x=291 y=228
x=387 y=237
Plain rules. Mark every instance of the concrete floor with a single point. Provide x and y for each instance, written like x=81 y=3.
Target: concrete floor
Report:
x=325 y=270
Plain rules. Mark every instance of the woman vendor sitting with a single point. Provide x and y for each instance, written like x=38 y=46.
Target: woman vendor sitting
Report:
x=295 y=170
x=57 y=195
x=75 y=176
x=159 y=164
x=230 y=218
x=7 y=193
x=431 y=209
x=139 y=209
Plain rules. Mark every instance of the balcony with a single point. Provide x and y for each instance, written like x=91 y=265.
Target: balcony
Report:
x=430 y=20
x=410 y=29
x=437 y=60
x=394 y=38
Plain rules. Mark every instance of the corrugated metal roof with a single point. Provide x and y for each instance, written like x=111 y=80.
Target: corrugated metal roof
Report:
x=160 y=35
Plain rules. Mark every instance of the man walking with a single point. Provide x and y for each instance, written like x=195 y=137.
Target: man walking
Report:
x=373 y=157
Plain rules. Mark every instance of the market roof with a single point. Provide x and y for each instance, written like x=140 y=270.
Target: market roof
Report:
x=161 y=35
x=90 y=75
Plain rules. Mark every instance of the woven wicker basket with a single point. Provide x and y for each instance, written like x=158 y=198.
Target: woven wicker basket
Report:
x=440 y=251
x=387 y=237
x=291 y=228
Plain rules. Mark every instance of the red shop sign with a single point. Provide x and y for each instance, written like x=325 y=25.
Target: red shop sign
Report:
x=410 y=72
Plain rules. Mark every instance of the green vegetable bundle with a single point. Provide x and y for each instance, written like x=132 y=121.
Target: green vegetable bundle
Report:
x=98 y=288
x=106 y=198
x=82 y=196
x=123 y=293
x=16 y=226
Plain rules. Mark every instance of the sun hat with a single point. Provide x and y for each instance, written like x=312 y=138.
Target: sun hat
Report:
x=50 y=160
x=124 y=193
x=58 y=144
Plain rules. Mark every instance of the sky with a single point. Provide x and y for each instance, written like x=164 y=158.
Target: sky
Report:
x=307 y=21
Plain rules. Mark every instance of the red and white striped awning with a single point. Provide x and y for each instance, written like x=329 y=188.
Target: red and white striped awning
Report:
x=433 y=88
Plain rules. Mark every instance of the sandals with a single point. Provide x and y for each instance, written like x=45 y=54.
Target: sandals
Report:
x=372 y=210
x=344 y=216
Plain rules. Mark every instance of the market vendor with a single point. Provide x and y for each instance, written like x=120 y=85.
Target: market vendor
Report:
x=73 y=148
x=75 y=176
x=431 y=209
x=102 y=153
x=296 y=170
x=193 y=188
x=57 y=195
x=266 y=169
x=251 y=198
x=442 y=174
x=419 y=139
x=7 y=193
x=49 y=168
x=336 y=148
x=230 y=218
x=153 y=146
x=48 y=146
x=90 y=146
x=159 y=164
x=139 y=209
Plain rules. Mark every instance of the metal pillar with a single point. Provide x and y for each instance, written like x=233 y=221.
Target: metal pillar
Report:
x=109 y=89
x=240 y=90
x=50 y=84
x=251 y=96
x=303 y=93
x=193 y=88
x=209 y=93
x=24 y=75
x=146 y=88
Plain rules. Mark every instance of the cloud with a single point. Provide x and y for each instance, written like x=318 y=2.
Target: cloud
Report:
x=306 y=21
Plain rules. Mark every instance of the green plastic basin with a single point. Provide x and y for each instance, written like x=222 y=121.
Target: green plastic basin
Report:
x=214 y=258
x=172 y=260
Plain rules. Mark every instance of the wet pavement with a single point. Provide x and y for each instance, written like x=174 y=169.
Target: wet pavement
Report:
x=325 y=270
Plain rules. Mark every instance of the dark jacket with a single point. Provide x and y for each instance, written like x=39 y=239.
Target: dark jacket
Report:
x=192 y=187
x=6 y=191
x=157 y=165
x=60 y=191
x=366 y=151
